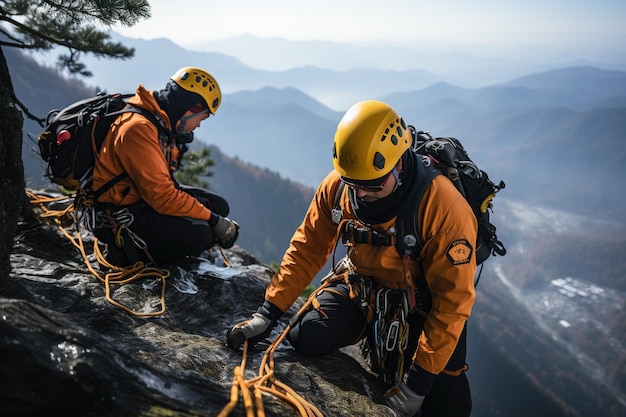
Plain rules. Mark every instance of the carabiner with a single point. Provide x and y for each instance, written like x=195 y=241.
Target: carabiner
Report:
x=381 y=301
x=392 y=336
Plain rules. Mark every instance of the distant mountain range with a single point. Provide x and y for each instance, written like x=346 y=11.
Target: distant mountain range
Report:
x=458 y=63
x=552 y=145
x=337 y=74
x=553 y=136
x=156 y=60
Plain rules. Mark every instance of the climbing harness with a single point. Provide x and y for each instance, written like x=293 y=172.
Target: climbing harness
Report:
x=386 y=309
x=67 y=216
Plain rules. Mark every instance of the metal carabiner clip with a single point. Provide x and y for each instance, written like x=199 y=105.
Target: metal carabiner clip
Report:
x=381 y=301
x=403 y=335
x=405 y=303
x=392 y=336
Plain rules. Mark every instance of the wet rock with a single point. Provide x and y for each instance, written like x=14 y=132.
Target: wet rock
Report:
x=66 y=350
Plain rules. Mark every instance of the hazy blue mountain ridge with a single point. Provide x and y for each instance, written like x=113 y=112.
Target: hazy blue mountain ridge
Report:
x=469 y=65
x=287 y=139
x=577 y=87
x=156 y=60
x=583 y=82
x=535 y=132
x=282 y=97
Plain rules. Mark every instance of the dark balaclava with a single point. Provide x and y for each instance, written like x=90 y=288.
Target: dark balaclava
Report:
x=383 y=210
x=176 y=101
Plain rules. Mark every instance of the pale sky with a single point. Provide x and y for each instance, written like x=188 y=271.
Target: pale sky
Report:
x=468 y=21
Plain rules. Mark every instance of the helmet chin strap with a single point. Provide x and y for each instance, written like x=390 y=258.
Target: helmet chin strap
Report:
x=396 y=175
x=183 y=121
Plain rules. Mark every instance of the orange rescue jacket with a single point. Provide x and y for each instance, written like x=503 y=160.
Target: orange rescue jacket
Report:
x=133 y=146
x=444 y=218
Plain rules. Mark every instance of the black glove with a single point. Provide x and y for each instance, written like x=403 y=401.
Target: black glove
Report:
x=257 y=328
x=404 y=400
x=226 y=231
x=403 y=397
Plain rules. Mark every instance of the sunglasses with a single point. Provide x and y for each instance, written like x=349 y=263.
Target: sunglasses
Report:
x=368 y=188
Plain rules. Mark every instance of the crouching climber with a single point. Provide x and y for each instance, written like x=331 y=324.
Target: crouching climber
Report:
x=411 y=313
x=142 y=212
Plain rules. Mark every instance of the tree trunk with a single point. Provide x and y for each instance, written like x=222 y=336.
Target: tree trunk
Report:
x=11 y=171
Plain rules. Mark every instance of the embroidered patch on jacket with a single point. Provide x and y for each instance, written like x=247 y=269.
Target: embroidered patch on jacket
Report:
x=459 y=252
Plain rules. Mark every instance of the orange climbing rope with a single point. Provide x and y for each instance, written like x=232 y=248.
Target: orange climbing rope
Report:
x=266 y=381
x=66 y=217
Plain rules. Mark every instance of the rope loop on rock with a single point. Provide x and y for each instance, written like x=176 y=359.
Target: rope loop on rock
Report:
x=65 y=217
x=265 y=381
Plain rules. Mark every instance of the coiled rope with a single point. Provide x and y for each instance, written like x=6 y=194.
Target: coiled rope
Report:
x=266 y=382
x=68 y=217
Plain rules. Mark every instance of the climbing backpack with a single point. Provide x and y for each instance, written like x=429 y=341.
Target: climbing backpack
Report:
x=447 y=156
x=73 y=137
x=451 y=159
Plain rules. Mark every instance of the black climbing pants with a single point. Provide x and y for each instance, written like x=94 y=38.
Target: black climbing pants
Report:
x=168 y=238
x=338 y=322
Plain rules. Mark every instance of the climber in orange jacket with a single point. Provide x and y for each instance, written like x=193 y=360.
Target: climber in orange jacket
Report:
x=134 y=172
x=401 y=307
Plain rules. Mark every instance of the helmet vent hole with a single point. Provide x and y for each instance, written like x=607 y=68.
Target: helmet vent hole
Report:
x=379 y=160
x=394 y=139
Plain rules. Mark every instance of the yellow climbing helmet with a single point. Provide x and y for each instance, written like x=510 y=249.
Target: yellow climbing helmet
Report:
x=197 y=80
x=369 y=141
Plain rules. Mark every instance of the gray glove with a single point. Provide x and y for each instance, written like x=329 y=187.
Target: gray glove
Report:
x=403 y=400
x=226 y=232
x=255 y=329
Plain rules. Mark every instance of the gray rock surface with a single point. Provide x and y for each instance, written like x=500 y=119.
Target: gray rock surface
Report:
x=66 y=350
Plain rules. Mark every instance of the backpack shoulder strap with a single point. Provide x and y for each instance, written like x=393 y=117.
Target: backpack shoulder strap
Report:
x=409 y=239
x=337 y=212
x=163 y=133
x=153 y=118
